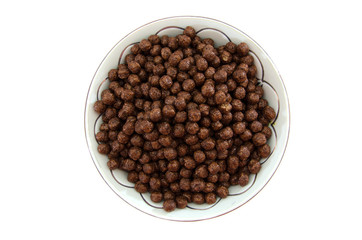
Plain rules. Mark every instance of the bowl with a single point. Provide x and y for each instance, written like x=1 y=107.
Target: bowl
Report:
x=275 y=93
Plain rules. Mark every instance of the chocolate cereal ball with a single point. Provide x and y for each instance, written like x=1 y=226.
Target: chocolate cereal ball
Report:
x=194 y=115
x=169 y=205
x=222 y=191
x=156 y=197
x=181 y=202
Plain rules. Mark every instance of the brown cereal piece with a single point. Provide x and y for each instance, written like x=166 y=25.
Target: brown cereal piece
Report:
x=251 y=115
x=154 y=93
x=220 y=76
x=208 y=144
x=132 y=177
x=194 y=115
x=169 y=205
x=166 y=53
x=188 y=85
x=155 y=115
x=123 y=71
x=128 y=165
x=166 y=82
x=262 y=103
x=113 y=75
x=135 y=153
x=198 y=98
x=168 y=195
x=264 y=150
x=254 y=166
x=185 y=95
x=214 y=168
x=108 y=97
x=224 y=177
x=199 y=156
x=135 y=49
x=232 y=164
x=181 y=202
x=267 y=132
x=102 y=136
x=192 y=127
x=240 y=93
x=220 y=97
x=269 y=113
x=173 y=166
x=162 y=165
x=158 y=69
x=208 y=41
x=222 y=191
x=208 y=52
x=209 y=187
x=168 y=111
x=140 y=187
x=239 y=127
x=226 y=133
x=170 y=153
x=197 y=185
x=210 y=198
x=154 y=39
x=148 y=168
x=156 y=197
x=226 y=57
x=171 y=176
x=156 y=51
x=104 y=148
x=243 y=179
x=252 y=98
x=180 y=117
x=201 y=171
x=141 y=60
x=164 y=40
x=201 y=64
x=242 y=49
x=249 y=60
x=191 y=139
x=179 y=130
x=190 y=31
x=172 y=72
x=174 y=59
x=173 y=43
x=113 y=86
x=145 y=45
x=183 y=40
x=134 y=66
x=213 y=178
x=208 y=90
x=256 y=126
x=198 y=198
x=231 y=47
x=112 y=164
x=189 y=163
x=185 y=184
x=114 y=123
x=155 y=184
x=243 y=153
x=153 y=81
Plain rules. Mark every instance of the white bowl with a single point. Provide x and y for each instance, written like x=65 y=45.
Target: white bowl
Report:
x=274 y=90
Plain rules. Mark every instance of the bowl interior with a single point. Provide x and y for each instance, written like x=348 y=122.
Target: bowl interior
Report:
x=274 y=90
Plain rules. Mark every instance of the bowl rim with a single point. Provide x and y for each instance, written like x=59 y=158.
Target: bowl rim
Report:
x=196 y=17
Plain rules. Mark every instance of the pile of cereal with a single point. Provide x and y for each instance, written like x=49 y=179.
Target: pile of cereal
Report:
x=185 y=119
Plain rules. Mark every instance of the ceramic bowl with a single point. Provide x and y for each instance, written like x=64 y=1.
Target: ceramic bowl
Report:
x=267 y=75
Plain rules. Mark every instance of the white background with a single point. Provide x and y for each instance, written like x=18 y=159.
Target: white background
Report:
x=50 y=188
